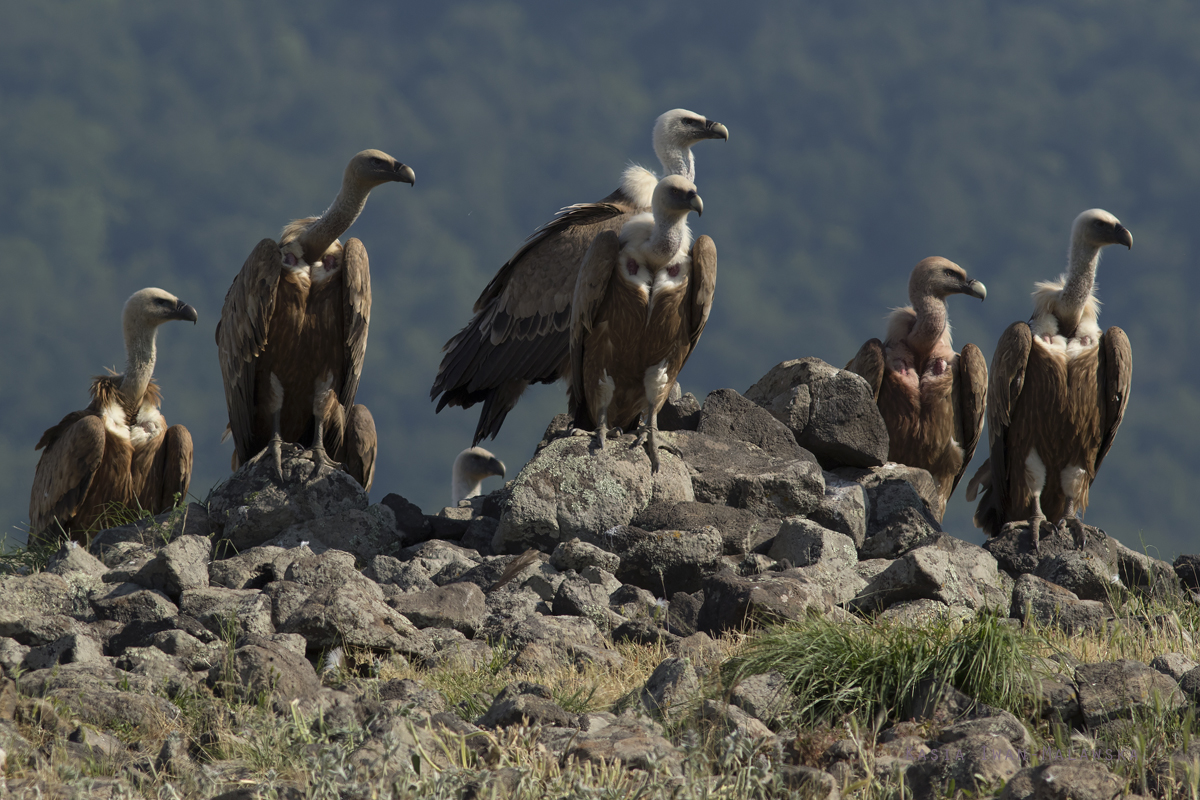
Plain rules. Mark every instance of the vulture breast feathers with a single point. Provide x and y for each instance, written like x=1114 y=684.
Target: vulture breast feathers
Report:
x=293 y=333
x=641 y=302
x=118 y=453
x=1057 y=393
x=519 y=333
x=931 y=398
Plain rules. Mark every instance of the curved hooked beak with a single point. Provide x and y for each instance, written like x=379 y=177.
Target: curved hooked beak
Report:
x=696 y=203
x=716 y=130
x=1123 y=236
x=975 y=289
x=405 y=174
x=496 y=466
x=185 y=312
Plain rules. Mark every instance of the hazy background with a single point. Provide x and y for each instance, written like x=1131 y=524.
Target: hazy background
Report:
x=146 y=143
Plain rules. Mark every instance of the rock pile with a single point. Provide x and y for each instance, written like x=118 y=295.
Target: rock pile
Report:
x=769 y=507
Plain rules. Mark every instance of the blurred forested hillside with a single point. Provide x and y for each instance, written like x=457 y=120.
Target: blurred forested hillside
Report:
x=151 y=143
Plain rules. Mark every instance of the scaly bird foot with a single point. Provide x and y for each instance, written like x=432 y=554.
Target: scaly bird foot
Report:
x=1035 y=530
x=275 y=448
x=321 y=459
x=649 y=437
x=1074 y=526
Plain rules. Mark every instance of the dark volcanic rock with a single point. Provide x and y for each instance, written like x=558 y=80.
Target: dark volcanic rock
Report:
x=1112 y=690
x=742 y=531
x=665 y=562
x=1050 y=604
x=727 y=416
x=830 y=411
x=732 y=602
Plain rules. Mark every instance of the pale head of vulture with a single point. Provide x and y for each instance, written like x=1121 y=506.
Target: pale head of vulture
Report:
x=471 y=467
x=368 y=169
x=674 y=134
x=1097 y=228
x=939 y=277
x=371 y=168
x=146 y=309
x=674 y=197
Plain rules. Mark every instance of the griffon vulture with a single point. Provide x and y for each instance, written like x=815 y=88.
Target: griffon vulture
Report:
x=293 y=334
x=118 y=451
x=471 y=467
x=1057 y=393
x=640 y=305
x=519 y=333
x=931 y=398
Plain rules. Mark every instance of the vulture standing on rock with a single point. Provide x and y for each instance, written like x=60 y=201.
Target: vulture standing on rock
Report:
x=471 y=467
x=931 y=398
x=520 y=331
x=118 y=452
x=293 y=334
x=1057 y=394
x=640 y=305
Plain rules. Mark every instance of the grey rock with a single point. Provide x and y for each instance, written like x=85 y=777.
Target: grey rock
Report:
x=1049 y=604
x=901 y=532
x=1088 y=577
x=364 y=533
x=569 y=491
x=262 y=667
x=79 y=568
x=252 y=569
x=923 y=612
x=727 y=416
x=326 y=570
x=1077 y=780
x=670 y=688
x=460 y=606
x=741 y=531
x=98 y=693
x=735 y=473
x=252 y=506
x=683 y=613
x=764 y=696
x=37 y=630
x=12 y=656
x=129 y=602
x=810 y=782
x=1187 y=568
x=1013 y=549
x=844 y=508
x=1174 y=664
x=1147 y=576
x=830 y=411
x=411 y=525
x=41 y=593
x=230 y=613
x=408 y=576
x=727 y=720
x=973 y=764
x=665 y=562
x=805 y=543
x=525 y=704
x=73 y=648
x=1001 y=724
x=165 y=671
x=578 y=597
x=445 y=562
x=886 y=493
x=732 y=602
x=578 y=555
x=181 y=565
x=352 y=616
x=837 y=581
x=952 y=571
x=640 y=631
x=680 y=414
x=632 y=742
x=1112 y=690
x=562 y=633
x=1189 y=683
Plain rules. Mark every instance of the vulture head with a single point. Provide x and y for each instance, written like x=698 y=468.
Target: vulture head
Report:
x=939 y=277
x=1097 y=228
x=471 y=467
x=675 y=196
x=674 y=134
x=370 y=168
x=149 y=308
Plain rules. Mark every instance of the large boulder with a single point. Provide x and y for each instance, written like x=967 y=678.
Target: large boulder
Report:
x=830 y=411
x=571 y=490
x=254 y=506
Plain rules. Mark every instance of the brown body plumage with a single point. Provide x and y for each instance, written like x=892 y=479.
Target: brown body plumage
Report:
x=640 y=305
x=931 y=398
x=293 y=334
x=1057 y=393
x=118 y=453
x=520 y=331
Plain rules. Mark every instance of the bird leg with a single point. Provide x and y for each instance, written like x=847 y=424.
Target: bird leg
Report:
x=323 y=401
x=648 y=436
x=1035 y=526
x=274 y=447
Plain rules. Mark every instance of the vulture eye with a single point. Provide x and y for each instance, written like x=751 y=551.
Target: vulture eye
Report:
x=376 y=161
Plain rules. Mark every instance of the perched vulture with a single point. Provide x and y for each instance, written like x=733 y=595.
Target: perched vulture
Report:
x=1057 y=394
x=117 y=453
x=640 y=305
x=293 y=334
x=519 y=333
x=471 y=467
x=931 y=398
